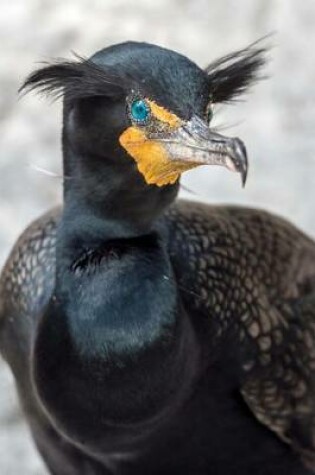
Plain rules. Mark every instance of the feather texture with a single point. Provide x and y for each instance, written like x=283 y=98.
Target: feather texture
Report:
x=77 y=79
x=231 y=75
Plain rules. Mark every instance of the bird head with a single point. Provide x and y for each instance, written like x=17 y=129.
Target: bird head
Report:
x=145 y=111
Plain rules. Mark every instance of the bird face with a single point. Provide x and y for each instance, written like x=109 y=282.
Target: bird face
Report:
x=151 y=108
x=165 y=145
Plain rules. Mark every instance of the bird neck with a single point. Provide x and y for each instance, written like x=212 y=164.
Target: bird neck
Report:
x=114 y=349
x=109 y=199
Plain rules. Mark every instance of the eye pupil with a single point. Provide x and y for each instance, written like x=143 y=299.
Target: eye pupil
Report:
x=139 y=111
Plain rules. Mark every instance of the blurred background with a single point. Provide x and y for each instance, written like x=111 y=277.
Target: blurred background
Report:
x=276 y=121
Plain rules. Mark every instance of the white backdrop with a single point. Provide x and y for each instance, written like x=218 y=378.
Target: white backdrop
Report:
x=277 y=121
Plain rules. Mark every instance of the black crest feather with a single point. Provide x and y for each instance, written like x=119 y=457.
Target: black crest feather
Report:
x=76 y=80
x=231 y=75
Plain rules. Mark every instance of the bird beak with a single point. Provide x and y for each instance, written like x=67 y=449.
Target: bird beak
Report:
x=193 y=143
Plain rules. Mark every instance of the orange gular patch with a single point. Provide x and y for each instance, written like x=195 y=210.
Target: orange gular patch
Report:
x=152 y=159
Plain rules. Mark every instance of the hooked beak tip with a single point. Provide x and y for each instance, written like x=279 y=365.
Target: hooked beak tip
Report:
x=240 y=159
x=244 y=178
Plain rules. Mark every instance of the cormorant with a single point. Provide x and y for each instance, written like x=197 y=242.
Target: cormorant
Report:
x=147 y=335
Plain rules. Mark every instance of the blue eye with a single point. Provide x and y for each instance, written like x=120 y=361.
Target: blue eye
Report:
x=140 y=111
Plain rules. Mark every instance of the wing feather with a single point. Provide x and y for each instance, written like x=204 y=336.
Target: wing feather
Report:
x=254 y=274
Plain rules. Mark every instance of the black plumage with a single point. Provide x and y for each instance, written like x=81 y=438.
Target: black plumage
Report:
x=148 y=336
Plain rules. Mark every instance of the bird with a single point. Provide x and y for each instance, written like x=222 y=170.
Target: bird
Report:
x=149 y=334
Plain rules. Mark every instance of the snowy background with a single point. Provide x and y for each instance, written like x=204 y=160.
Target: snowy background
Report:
x=277 y=121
